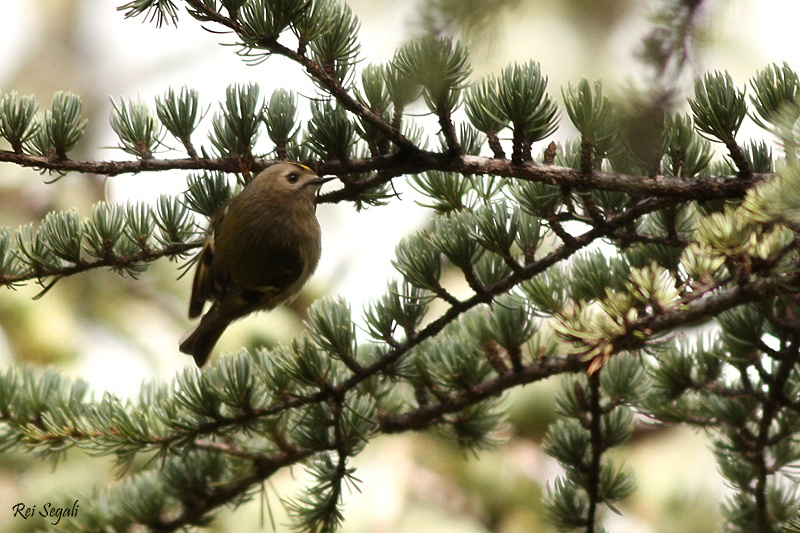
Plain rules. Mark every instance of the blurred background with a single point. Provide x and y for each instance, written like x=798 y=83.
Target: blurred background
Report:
x=117 y=332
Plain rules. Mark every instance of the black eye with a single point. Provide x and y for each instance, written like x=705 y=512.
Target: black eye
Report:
x=293 y=177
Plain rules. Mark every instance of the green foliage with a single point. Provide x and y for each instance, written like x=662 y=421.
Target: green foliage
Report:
x=759 y=157
x=593 y=273
x=448 y=363
x=17 y=124
x=592 y=114
x=137 y=128
x=140 y=225
x=174 y=221
x=207 y=192
x=117 y=236
x=447 y=189
x=418 y=261
x=491 y=269
x=179 y=113
x=595 y=421
x=564 y=505
x=497 y=229
x=477 y=427
x=627 y=263
x=690 y=376
x=539 y=199
x=64 y=233
x=454 y=236
x=160 y=11
x=718 y=107
x=281 y=118
x=775 y=100
x=236 y=126
x=375 y=92
x=330 y=132
x=687 y=154
x=742 y=329
x=10 y=266
x=333 y=329
x=310 y=22
x=104 y=229
x=548 y=291
x=318 y=509
x=483 y=109
x=401 y=306
x=439 y=65
x=522 y=100
x=60 y=128
x=336 y=46
x=511 y=324
x=266 y=20
x=402 y=89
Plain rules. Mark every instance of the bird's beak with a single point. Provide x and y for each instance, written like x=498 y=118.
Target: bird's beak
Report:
x=322 y=179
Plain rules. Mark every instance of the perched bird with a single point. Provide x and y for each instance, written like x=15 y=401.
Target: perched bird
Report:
x=262 y=247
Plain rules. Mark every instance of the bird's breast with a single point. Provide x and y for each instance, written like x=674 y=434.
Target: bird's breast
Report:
x=264 y=250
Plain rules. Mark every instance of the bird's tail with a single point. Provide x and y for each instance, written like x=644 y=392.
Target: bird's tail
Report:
x=200 y=340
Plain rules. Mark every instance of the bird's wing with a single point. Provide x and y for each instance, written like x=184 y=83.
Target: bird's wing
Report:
x=205 y=286
x=208 y=279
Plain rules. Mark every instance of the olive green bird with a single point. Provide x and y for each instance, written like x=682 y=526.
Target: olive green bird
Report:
x=262 y=247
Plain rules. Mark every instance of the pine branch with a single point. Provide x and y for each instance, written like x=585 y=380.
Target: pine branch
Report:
x=655 y=324
x=263 y=467
x=432 y=329
x=385 y=168
x=417 y=161
x=115 y=168
x=433 y=411
x=686 y=258
x=597 y=448
x=697 y=311
x=116 y=262
x=316 y=71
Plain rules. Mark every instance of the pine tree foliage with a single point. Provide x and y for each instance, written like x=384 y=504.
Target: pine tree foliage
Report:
x=699 y=241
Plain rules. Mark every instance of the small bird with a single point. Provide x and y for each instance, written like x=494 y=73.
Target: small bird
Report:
x=262 y=247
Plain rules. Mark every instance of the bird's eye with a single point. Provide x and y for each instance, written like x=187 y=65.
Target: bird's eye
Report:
x=293 y=177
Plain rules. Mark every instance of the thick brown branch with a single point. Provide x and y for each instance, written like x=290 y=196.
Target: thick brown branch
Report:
x=414 y=162
x=659 y=186
x=426 y=415
x=417 y=161
x=115 y=168
x=665 y=186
